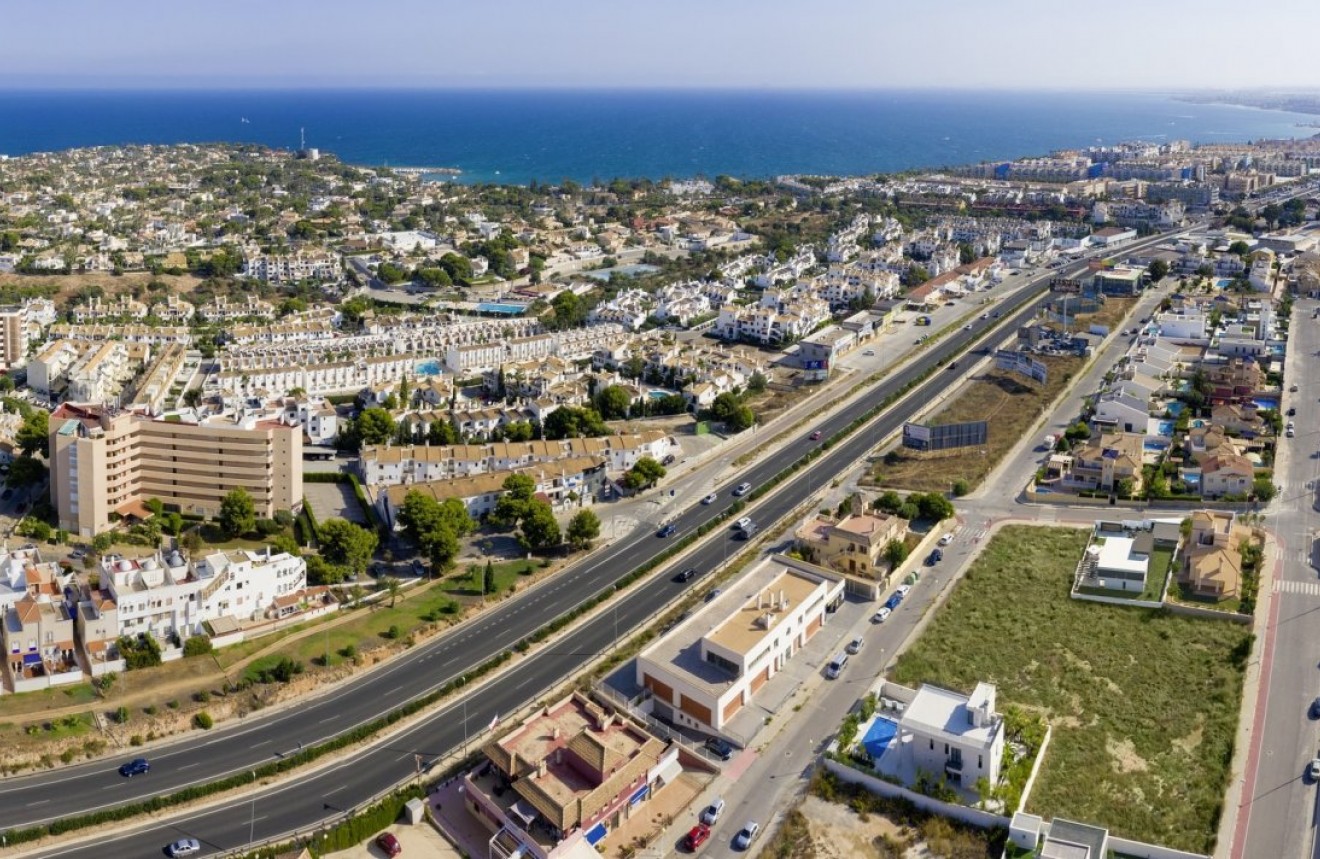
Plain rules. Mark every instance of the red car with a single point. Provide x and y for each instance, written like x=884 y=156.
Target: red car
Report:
x=697 y=836
x=387 y=842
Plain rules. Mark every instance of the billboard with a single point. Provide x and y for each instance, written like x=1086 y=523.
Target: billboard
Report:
x=945 y=437
x=1021 y=363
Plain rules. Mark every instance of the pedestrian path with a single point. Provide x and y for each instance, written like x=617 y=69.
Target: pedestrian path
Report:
x=1284 y=586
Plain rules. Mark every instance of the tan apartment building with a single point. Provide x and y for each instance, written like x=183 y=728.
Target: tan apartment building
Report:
x=104 y=462
x=13 y=336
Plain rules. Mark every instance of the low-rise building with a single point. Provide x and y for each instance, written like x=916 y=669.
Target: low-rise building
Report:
x=706 y=670
x=943 y=733
x=1212 y=558
x=855 y=544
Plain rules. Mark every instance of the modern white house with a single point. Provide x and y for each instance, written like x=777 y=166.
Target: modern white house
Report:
x=943 y=733
x=1122 y=562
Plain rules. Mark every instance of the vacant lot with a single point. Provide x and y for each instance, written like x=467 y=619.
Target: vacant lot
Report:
x=1010 y=403
x=1144 y=704
x=66 y=286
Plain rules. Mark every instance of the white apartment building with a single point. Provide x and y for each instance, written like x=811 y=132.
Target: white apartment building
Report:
x=165 y=596
x=47 y=371
x=100 y=375
x=292 y=268
x=959 y=737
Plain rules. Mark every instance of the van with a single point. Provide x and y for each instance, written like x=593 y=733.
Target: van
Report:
x=835 y=668
x=746 y=532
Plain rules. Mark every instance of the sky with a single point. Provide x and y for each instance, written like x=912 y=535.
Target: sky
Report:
x=729 y=44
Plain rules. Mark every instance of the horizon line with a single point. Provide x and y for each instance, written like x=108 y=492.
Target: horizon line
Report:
x=623 y=88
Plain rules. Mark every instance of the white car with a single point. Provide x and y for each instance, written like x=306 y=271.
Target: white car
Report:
x=741 y=524
x=879 y=616
x=855 y=646
x=902 y=590
x=184 y=847
x=746 y=835
x=742 y=489
x=709 y=499
x=946 y=539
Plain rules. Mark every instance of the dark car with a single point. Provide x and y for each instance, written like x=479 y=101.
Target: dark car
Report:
x=720 y=748
x=686 y=576
x=712 y=594
x=1292 y=411
x=387 y=842
x=953 y=365
x=1315 y=709
x=815 y=436
x=668 y=460
x=893 y=601
x=667 y=531
x=137 y=766
x=934 y=557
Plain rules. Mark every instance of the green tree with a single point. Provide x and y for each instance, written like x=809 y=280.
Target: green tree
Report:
x=26 y=471
x=570 y=311
x=756 y=384
x=488 y=579
x=1239 y=248
x=238 y=515
x=888 y=502
x=347 y=545
x=388 y=272
x=33 y=436
x=1263 y=488
x=322 y=572
x=612 y=402
x=574 y=422
x=1158 y=270
x=434 y=277
x=192 y=398
x=374 y=426
x=393 y=587
x=895 y=552
x=933 y=505
x=583 y=529
x=539 y=528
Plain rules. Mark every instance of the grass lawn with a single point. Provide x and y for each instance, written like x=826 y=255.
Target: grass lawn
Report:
x=1183 y=593
x=1144 y=704
x=469 y=581
x=1156 y=572
x=213 y=539
x=1011 y=404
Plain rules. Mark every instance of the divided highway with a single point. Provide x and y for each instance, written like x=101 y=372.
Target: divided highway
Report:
x=306 y=802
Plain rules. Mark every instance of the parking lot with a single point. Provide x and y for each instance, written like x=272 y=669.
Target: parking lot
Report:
x=329 y=500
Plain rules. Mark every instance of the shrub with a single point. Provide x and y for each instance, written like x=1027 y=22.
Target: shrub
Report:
x=203 y=720
x=121 y=715
x=197 y=645
x=135 y=740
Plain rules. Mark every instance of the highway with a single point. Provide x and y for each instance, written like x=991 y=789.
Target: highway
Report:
x=308 y=801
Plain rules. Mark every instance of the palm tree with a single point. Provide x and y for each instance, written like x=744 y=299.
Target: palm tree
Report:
x=393 y=588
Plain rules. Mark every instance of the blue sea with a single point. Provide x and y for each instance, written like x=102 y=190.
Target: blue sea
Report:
x=519 y=136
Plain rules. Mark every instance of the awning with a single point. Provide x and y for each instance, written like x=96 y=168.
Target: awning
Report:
x=31 y=658
x=523 y=813
x=640 y=795
x=596 y=833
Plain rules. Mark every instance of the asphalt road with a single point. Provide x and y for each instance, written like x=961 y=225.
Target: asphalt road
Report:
x=1282 y=817
x=239 y=747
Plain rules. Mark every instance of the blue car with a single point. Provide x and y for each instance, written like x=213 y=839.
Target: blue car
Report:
x=137 y=766
x=667 y=531
x=893 y=601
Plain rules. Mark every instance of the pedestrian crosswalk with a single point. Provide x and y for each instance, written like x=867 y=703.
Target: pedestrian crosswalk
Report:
x=1286 y=586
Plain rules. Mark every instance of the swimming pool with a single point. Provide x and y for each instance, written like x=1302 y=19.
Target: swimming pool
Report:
x=428 y=368
x=1154 y=446
x=1266 y=403
x=507 y=309
x=629 y=270
x=1165 y=428
x=1193 y=480
x=1175 y=407
x=1222 y=283
x=878 y=736
x=657 y=395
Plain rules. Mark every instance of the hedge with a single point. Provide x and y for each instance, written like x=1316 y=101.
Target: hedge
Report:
x=325 y=477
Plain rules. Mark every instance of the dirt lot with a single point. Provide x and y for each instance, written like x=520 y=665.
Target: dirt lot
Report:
x=819 y=829
x=1011 y=405
x=68 y=285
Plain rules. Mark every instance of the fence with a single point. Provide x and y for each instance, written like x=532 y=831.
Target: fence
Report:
x=973 y=816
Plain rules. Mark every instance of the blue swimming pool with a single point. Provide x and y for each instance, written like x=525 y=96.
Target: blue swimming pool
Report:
x=1222 y=283
x=657 y=395
x=1165 y=427
x=1154 y=446
x=1192 y=480
x=428 y=368
x=1266 y=403
x=1175 y=407
x=507 y=309
x=877 y=737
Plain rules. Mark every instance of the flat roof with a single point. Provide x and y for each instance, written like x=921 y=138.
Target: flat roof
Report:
x=1117 y=554
x=938 y=711
x=743 y=630
x=1069 y=840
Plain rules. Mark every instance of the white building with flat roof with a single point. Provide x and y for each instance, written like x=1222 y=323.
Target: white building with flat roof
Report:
x=946 y=733
x=704 y=671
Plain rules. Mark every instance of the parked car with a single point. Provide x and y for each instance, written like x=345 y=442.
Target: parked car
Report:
x=935 y=556
x=881 y=614
x=746 y=835
x=869 y=352
x=893 y=601
x=1292 y=388
x=137 y=766
x=184 y=847
x=387 y=842
x=668 y=460
x=1288 y=433
x=697 y=836
x=686 y=575
x=668 y=531
x=720 y=748
x=1292 y=411
x=903 y=590
x=711 y=594
x=710 y=815
x=742 y=489
x=1315 y=708
x=709 y=499
x=1313 y=770
x=855 y=646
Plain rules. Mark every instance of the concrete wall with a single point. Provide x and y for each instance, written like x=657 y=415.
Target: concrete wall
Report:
x=1150 y=851
x=972 y=816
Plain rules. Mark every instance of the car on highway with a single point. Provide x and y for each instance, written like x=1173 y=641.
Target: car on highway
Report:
x=997 y=314
x=686 y=575
x=742 y=523
x=742 y=489
x=881 y=614
x=967 y=327
x=710 y=815
x=746 y=532
x=137 y=766
x=388 y=843
x=183 y=847
x=697 y=836
x=710 y=499
x=815 y=436
x=855 y=646
x=953 y=365
x=746 y=835
x=720 y=748
x=668 y=531
x=985 y=315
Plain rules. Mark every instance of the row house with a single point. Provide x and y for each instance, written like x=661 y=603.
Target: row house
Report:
x=283 y=332
x=390 y=465
x=318 y=419
x=121 y=307
x=173 y=310
x=221 y=309
x=168 y=598
x=39 y=643
x=154 y=335
x=101 y=374
x=47 y=370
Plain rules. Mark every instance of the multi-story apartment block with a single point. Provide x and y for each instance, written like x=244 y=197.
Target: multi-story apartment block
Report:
x=106 y=461
x=47 y=371
x=13 y=336
x=100 y=375
x=289 y=269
